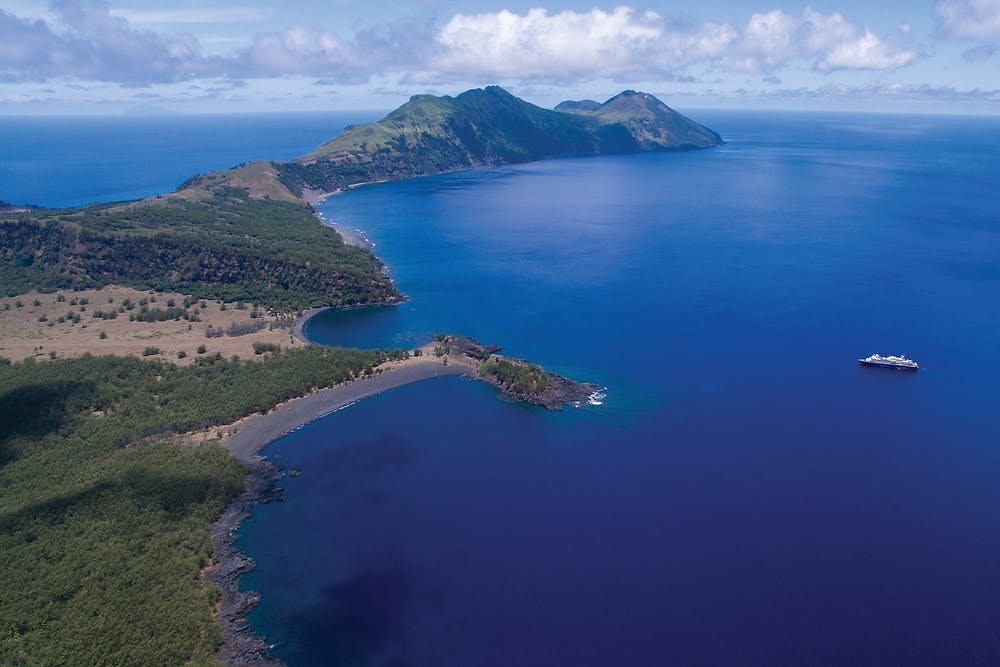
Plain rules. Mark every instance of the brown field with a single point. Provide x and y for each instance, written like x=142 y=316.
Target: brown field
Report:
x=22 y=335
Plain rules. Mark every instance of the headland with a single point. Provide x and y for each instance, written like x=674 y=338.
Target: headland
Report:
x=447 y=355
x=227 y=248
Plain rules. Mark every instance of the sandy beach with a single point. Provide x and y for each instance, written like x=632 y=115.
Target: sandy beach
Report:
x=245 y=440
x=350 y=236
x=254 y=433
x=298 y=329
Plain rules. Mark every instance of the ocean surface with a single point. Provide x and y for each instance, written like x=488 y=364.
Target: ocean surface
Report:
x=57 y=161
x=747 y=494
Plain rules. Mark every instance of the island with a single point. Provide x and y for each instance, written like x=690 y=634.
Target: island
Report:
x=149 y=349
x=490 y=127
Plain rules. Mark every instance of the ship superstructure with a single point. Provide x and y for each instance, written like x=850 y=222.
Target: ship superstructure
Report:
x=891 y=361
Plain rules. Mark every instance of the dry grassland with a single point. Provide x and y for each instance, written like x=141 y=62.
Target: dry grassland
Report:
x=34 y=330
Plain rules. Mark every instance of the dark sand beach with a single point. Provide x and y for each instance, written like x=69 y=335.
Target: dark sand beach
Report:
x=300 y=323
x=256 y=432
x=246 y=439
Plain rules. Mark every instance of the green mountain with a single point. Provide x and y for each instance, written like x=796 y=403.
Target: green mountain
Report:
x=486 y=127
x=652 y=124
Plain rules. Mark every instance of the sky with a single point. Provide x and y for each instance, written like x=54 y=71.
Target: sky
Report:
x=149 y=56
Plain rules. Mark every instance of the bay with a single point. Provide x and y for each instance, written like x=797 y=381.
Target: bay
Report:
x=748 y=494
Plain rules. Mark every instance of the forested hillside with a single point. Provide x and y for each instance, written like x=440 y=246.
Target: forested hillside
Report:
x=222 y=245
x=104 y=519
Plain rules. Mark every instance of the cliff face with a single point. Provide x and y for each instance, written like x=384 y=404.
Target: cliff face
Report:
x=486 y=127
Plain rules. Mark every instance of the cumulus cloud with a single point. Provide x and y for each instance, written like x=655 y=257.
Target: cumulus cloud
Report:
x=537 y=43
x=830 y=41
x=84 y=39
x=296 y=51
x=93 y=44
x=976 y=20
x=606 y=44
x=393 y=46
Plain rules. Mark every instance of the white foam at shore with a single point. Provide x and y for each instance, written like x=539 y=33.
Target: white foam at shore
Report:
x=345 y=231
x=597 y=398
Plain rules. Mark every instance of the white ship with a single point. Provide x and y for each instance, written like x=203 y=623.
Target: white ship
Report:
x=891 y=361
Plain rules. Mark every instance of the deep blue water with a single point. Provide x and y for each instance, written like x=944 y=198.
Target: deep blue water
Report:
x=71 y=161
x=748 y=495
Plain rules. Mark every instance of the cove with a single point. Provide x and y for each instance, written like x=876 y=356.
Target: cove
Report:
x=748 y=494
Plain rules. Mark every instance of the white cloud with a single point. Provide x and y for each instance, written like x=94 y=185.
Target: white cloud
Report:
x=296 y=51
x=605 y=44
x=538 y=43
x=830 y=41
x=977 y=20
x=84 y=39
x=866 y=52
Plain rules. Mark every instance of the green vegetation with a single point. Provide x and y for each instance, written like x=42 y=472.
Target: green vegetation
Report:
x=147 y=314
x=235 y=329
x=516 y=376
x=223 y=246
x=651 y=123
x=490 y=126
x=104 y=519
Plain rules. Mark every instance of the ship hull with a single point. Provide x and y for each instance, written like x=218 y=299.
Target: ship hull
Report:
x=887 y=364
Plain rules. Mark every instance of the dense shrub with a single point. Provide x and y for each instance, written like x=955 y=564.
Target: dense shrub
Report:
x=103 y=532
x=227 y=247
x=522 y=377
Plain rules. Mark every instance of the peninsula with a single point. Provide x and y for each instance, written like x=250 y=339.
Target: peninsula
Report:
x=138 y=337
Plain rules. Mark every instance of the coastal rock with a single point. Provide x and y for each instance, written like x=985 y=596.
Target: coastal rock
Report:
x=241 y=646
x=516 y=378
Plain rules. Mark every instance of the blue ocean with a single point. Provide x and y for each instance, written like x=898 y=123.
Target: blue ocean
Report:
x=747 y=493
x=62 y=161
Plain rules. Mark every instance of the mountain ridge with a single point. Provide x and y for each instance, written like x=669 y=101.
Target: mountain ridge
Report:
x=481 y=127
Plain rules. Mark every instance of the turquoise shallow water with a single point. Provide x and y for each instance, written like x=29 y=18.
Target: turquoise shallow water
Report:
x=748 y=494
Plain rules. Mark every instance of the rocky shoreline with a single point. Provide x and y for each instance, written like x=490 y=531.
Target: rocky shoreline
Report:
x=542 y=387
x=446 y=355
x=241 y=645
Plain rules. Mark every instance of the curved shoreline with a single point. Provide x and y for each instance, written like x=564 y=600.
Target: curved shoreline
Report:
x=241 y=645
x=258 y=431
x=298 y=329
x=354 y=237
